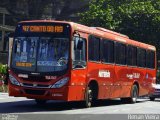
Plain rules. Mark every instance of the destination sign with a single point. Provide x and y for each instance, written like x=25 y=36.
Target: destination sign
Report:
x=55 y=29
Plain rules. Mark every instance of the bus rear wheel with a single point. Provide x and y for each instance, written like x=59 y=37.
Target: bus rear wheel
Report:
x=134 y=94
x=40 y=102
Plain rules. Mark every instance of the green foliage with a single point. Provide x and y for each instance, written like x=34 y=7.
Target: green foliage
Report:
x=20 y=10
x=100 y=13
x=139 y=19
x=3 y=69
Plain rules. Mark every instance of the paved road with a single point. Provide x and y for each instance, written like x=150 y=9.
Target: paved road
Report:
x=25 y=106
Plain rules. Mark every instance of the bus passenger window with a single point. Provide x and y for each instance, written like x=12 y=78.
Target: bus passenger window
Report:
x=107 y=51
x=120 y=53
x=131 y=55
x=94 y=48
x=150 y=59
x=141 y=57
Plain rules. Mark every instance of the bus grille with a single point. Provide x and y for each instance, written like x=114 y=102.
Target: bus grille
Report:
x=36 y=79
x=35 y=85
x=35 y=92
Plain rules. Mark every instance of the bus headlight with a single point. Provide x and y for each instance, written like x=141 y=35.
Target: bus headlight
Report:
x=60 y=83
x=13 y=80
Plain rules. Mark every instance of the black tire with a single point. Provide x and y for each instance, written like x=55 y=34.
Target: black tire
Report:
x=40 y=102
x=152 y=98
x=88 y=97
x=134 y=94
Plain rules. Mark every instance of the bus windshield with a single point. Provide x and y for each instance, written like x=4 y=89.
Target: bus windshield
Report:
x=40 y=52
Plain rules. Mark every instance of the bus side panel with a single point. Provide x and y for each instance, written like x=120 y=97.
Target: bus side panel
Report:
x=76 y=93
x=139 y=75
x=77 y=85
x=103 y=74
x=121 y=82
x=150 y=78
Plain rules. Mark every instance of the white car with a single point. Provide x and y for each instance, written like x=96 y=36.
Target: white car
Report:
x=156 y=93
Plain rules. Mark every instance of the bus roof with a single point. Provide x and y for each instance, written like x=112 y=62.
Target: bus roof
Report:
x=100 y=32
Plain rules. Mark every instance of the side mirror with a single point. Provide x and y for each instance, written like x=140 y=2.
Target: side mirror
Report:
x=78 y=43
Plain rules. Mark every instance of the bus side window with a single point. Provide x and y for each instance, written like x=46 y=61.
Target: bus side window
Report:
x=94 y=49
x=141 y=57
x=120 y=53
x=107 y=51
x=131 y=55
x=150 y=59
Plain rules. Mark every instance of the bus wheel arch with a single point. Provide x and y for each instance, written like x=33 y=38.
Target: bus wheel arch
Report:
x=91 y=93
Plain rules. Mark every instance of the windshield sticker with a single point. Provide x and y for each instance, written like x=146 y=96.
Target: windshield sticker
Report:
x=46 y=63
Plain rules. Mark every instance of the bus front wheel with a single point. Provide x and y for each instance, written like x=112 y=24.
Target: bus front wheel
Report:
x=152 y=98
x=88 y=97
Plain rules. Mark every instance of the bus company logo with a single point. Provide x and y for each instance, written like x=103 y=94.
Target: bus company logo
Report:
x=136 y=75
x=104 y=73
x=133 y=76
x=130 y=76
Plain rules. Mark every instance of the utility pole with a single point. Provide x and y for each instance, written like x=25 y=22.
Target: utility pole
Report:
x=3 y=12
x=3 y=32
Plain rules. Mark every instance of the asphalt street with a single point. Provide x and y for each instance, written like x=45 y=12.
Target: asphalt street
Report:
x=27 y=109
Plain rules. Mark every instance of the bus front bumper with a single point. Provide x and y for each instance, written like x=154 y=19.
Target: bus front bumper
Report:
x=39 y=93
x=66 y=93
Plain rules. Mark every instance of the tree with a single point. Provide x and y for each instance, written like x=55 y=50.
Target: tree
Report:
x=139 y=19
x=100 y=13
x=42 y=9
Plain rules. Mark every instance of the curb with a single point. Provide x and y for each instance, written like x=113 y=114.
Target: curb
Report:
x=2 y=93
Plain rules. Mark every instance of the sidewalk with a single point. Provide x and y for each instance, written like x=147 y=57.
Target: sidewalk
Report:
x=3 y=88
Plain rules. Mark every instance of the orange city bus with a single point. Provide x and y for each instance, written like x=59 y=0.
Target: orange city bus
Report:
x=57 y=60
